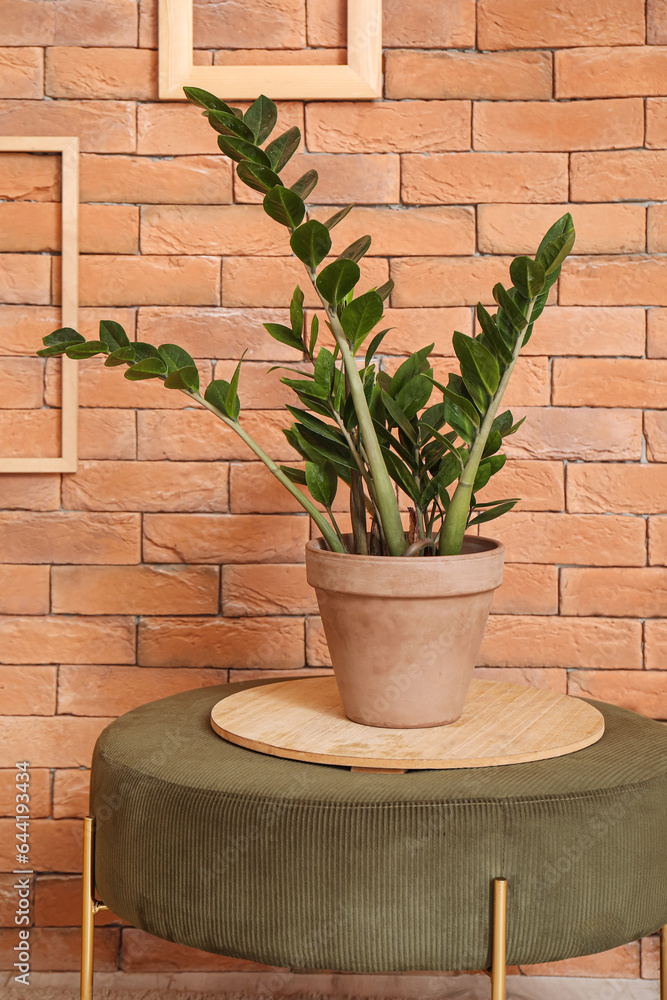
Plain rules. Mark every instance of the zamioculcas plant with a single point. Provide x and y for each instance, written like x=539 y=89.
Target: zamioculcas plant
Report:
x=440 y=444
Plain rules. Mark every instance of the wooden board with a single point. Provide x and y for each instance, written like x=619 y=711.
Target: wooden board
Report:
x=501 y=724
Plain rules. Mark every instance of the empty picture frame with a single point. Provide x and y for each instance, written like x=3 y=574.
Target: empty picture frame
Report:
x=68 y=147
x=361 y=78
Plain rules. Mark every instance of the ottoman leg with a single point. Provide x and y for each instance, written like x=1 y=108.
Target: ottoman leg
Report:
x=499 y=968
x=90 y=908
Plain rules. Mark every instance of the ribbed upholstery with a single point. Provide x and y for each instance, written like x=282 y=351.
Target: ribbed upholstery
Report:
x=303 y=865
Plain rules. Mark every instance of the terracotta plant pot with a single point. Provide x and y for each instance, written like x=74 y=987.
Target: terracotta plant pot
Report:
x=404 y=633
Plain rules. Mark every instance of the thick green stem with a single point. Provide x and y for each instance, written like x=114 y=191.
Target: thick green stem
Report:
x=456 y=519
x=358 y=515
x=320 y=520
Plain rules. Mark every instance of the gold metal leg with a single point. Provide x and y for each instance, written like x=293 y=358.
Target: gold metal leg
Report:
x=499 y=968
x=90 y=908
x=663 y=963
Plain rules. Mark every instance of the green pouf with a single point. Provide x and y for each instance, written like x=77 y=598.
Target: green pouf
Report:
x=303 y=865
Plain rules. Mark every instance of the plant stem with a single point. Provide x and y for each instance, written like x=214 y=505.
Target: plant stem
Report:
x=327 y=531
x=358 y=515
x=456 y=519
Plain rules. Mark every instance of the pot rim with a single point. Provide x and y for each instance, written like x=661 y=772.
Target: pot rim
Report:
x=493 y=546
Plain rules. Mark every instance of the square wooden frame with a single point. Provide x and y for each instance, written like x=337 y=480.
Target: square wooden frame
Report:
x=68 y=147
x=361 y=78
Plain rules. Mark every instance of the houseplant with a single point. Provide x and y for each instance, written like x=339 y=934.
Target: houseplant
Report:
x=404 y=622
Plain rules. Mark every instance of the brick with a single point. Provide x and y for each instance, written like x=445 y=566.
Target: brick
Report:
x=280 y=24
x=625 y=593
x=266 y=590
x=70 y=22
x=142 y=952
x=59 y=949
x=655 y=430
x=622 y=281
x=326 y=22
x=107 y=436
x=253 y=490
x=27 y=690
x=215 y=333
x=426 y=24
x=71 y=791
x=657 y=229
x=270 y=281
x=57 y=741
x=455 y=178
x=656 y=339
x=147 y=280
x=617 y=488
x=58 y=898
x=179 y=180
x=627 y=71
x=107 y=74
x=73 y=640
x=527 y=590
x=549 y=679
x=641 y=691
x=656 y=122
x=21 y=383
x=361 y=178
x=36 y=227
x=28 y=491
x=30 y=176
x=635 y=175
x=22 y=327
x=317 y=651
x=524 y=641
x=134 y=590
x=212 y=229
x=583 y=330
x=656 y=645
x=593 y=381
x=500 y=76
x=445 y=281
x=656 y=22
x=388 y=127
x=533 y=126
x=650 y=957
x=435 y=325
x=619 y=963
x=260 y=388
x=574 y=539
x=221 y=642
x=24 y=590
x=150 y=486
x=437 y=230
x=577 y=433
x=8 y=899
x=167 y=129
x=657 y=535
x=516 y=24
x=40 y=791
x=196 y=435
x=64 y=537
x=30 y=433
x=529 y=385
x=107 y=387
x=600 y=228
x=102 y=126
x=110 y=690
x=25 y=278
x=22 y=73
x=224 y=538
x=539 y=484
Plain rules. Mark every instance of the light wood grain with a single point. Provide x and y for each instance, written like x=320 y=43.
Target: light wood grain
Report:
x=501 y=724
x=68 y=147
x=361 y=78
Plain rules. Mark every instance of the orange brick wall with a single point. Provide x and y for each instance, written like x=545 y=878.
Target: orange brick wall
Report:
x=172 y=560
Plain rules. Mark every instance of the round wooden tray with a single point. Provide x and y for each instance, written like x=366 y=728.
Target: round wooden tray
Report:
x=501 y=724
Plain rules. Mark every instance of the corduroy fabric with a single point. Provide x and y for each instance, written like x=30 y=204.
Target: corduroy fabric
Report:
x=303 y=865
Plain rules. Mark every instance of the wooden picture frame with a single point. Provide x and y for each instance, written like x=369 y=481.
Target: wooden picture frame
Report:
x=361 y=78
x=68 y=147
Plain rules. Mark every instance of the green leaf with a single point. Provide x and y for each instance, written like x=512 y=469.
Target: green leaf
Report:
x=322 y=483
x=87 y=350
x=297 y=476
x=479 y=368
x=239 y=150
x=284 y=335
x=149 y=368
x=325 y=368
x=123 y=356
x=384 y=291
x=487 y=468
x=362 y=314
x=528 y=276
x=401 y=475
x=450 y=469
x=217 y=393
x=305 y=184
x=494 y=336
x=338 y=217
x=337 y=280
x=284 y=206
x=257 y=177
x=357 y=249
x=282 y=149
x=493 y=512
x=296 y=312
x=314 y=330
x=316 y=425
x=183 y=378
x=175 y=357
x=113 y=335
x=311 y=243
x=65 y=335
x=414 y=396
x=554 y=253
x=373 y=346
x=261 y=118
x=562 y=226
x=144 y=351
x=202 y=99
x=510 y=308
x=233 y=402
x=398 y=417
x=414 y=365
x=229 y=124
